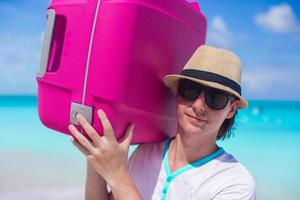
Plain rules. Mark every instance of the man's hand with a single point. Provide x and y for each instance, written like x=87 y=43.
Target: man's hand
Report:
x=106 y=155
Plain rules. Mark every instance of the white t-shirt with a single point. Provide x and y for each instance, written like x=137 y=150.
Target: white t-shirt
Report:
x=218 y=176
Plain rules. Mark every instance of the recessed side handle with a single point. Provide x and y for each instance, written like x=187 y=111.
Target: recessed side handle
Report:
x=47 y=43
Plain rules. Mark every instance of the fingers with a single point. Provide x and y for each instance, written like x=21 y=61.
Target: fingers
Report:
x=92 y=133
x=128 y=136
x=81 y=139
x=79 y=147
x=107 y=128
x=86 y=146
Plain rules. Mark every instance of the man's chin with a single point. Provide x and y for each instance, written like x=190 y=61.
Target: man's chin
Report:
x=192 y=129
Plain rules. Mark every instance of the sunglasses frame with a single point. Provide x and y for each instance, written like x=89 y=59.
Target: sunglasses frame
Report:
x=207 y=91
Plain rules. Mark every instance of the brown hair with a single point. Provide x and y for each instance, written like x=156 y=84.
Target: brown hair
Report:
x=226 y=129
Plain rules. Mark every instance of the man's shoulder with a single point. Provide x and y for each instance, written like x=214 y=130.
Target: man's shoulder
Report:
x=147 y=152
x=156 y=147
x=235 y=170
x=227 y=178
x=146 y=157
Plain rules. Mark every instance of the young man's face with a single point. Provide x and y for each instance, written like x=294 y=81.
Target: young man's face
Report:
x=195 y=117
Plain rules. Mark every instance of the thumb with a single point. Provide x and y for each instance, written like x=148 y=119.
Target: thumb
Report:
x=128 y=136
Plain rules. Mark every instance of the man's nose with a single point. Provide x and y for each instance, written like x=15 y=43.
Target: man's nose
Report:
x=199 y=104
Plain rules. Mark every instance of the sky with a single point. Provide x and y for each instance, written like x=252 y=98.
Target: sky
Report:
x=264 y=34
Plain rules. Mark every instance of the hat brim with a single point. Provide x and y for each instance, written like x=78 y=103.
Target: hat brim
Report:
x=171 y=81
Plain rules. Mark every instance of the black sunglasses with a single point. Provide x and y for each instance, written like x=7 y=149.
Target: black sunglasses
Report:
x=214 y=98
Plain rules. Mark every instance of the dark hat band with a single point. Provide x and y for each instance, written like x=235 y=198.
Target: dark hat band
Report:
x=212 y=77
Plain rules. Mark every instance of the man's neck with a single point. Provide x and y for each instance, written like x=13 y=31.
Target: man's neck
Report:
x=185 y=149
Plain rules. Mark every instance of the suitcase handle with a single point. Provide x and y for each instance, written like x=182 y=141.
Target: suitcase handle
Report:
x=47 y=43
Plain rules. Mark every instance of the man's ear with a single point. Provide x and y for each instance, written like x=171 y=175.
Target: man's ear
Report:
x=233 y=107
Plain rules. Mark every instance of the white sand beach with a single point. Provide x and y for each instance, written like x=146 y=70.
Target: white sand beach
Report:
x=35 y=176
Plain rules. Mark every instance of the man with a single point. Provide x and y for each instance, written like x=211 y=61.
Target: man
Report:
x=190 y=165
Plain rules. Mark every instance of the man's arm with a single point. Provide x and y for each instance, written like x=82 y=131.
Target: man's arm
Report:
x=95 y=185
x=124 y=188
x=96 y=188
x=107 y=160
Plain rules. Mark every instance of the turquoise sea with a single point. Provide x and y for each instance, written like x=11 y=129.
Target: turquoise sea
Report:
x=38 y=163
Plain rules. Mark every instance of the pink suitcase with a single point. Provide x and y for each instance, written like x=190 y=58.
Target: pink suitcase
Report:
x=113 y=54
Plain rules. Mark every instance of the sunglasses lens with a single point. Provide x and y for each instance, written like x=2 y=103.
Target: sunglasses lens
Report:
x=188 y=90
x=191 y=94
x=216 y=99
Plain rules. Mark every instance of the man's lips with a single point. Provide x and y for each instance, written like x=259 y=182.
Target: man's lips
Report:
x=196 y=118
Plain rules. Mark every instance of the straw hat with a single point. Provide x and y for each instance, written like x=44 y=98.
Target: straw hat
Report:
x=212 y=67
